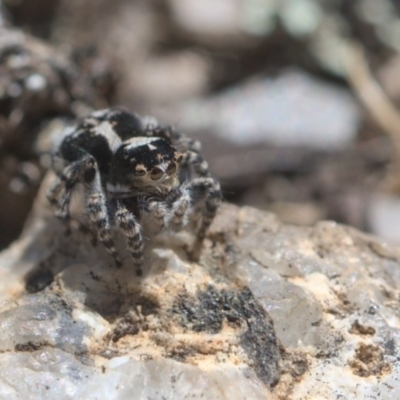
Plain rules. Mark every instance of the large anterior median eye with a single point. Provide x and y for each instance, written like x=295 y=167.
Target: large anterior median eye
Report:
x=156 y=174
x=140 y=171
x=171 y=168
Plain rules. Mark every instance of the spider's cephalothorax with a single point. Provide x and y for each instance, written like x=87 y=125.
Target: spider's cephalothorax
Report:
x=120 y=160
x=144 y=165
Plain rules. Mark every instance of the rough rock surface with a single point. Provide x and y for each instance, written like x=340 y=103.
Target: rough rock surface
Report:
x=270 y=311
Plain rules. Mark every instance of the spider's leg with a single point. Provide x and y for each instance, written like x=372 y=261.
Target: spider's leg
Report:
x=206 y=197
x=84 y=170
x=195 y=163
x=96 y=207
x=60 y=199
x=59 y=195
x=126 y=221
x=54 y=191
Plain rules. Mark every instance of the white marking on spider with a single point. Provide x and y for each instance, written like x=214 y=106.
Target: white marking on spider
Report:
x=106 y=130
x=139 y=141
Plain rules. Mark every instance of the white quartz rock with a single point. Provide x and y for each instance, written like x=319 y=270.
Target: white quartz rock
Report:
x=54 y=374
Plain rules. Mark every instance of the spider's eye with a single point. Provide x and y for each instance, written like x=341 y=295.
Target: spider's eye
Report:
x=156 y=174
x=125 y=154
x=140 y=171
x=171 y=168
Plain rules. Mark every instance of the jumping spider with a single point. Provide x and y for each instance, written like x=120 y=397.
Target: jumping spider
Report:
x=133 y=171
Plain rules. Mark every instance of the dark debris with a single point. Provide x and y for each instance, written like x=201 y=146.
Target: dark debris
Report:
x=207 y=311
x=29 y=346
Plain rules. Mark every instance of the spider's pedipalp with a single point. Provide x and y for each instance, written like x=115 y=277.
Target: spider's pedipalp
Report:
x=156 y=215
x=180 y=210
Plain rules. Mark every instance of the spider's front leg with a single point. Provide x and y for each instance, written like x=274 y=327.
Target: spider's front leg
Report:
x=126 y=221
x=205 y=194
x=85 y=171
x=59 y=193
x=195 y=163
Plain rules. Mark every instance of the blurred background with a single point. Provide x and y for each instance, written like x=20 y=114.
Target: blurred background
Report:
x=295 y=101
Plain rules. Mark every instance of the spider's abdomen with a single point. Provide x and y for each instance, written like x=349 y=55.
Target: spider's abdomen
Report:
x=74 y=148
x=100 y=135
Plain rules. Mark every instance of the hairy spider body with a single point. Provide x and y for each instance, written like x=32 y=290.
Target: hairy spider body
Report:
x=133 y=171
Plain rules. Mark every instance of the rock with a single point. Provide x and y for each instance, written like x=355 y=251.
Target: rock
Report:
x=207 y=19
x=293 y=109
x=383 y=211
x=37 y=81
x=270 y=311
x=146 y=76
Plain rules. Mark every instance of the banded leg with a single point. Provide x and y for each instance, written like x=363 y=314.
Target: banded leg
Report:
x=196 y=164
x=96 y=209
x=59 y=194
x=206 y=195
x=126 y=221
x=84 y=170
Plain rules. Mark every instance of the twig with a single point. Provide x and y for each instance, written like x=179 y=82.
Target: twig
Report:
x=376 y=101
